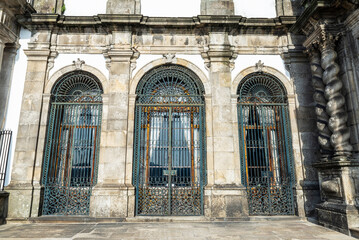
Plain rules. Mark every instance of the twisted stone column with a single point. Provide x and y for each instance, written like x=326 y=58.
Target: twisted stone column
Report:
x=321 y=102
x=336 y=101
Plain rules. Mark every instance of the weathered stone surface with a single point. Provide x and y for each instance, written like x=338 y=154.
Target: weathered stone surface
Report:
x=282 y=229
x=123 y=7
x=217 y=7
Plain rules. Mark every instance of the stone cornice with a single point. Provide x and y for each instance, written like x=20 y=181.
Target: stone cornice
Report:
x=110 y=22
x=321 y=9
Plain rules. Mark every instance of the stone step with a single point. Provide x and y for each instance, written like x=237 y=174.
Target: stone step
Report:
x=74 y=219
x=144 y=219
x=354 y=232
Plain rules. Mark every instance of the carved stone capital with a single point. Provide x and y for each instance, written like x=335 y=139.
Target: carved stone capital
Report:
x=219 y=53
x=122 y=55
x=37 y=55
x=323 y=35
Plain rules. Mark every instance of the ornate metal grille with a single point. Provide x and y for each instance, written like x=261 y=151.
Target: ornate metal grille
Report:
x=72 y=145
x=169 y=151
x=265 y=145
x=5 y=144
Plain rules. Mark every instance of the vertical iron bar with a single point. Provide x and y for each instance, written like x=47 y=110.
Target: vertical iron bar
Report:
x=169 y=160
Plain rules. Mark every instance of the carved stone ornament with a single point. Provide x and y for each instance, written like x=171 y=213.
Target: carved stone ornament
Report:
x=207 y=62
x=331 y=188
x=51 y=60
x=259 y=66
x=170 y=57
x=78 y=63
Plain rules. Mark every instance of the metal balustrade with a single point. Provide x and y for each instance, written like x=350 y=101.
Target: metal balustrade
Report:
x=5 y=143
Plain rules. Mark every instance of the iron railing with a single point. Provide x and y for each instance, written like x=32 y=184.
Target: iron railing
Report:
x=5 y=142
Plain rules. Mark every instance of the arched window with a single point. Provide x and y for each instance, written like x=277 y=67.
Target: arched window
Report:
x=72 y=145
x=169 y=150
x=265 y=144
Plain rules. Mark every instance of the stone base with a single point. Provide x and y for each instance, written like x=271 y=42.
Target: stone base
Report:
x=24 y=201
x=337 y=216
x=112 y=201
x=226 y=202
x=4 y=200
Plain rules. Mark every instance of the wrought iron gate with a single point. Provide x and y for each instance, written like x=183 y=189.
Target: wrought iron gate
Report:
x=169 y=170
x=71 y=155
x=265 y=145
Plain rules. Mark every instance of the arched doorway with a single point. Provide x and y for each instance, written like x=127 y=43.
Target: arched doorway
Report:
x=72 y=144
x=169 y=147
x=265 y=145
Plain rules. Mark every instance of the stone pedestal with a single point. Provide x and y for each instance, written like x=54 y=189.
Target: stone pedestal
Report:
x=123 y=7
x=4 y=201
x=217 y=7
x=112 y=201
x=339 y=185
x=224 y=202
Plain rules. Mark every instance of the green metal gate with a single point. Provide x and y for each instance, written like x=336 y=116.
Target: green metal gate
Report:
x=72 y=145
x=265 y=145
x=169 y=166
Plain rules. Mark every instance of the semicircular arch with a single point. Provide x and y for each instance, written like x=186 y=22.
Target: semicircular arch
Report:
x=57 y=76
x=178 y=61
x=283 y=80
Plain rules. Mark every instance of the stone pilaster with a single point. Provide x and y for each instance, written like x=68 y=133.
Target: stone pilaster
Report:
x=123 y=7
x=217 y=7
x=113 y=196
x=25 y=188
x=226 y=197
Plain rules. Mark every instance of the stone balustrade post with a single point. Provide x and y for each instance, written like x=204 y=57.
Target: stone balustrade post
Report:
x=217 y=7
x=123 y=7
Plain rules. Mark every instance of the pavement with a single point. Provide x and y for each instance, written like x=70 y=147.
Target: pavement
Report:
x=245 y=230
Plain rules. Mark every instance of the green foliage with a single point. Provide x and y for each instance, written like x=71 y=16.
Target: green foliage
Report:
x=63 y=9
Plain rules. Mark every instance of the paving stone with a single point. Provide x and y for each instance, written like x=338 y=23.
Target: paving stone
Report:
x=278 y=230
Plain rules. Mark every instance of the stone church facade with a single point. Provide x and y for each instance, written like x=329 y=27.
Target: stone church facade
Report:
x=124 y=115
